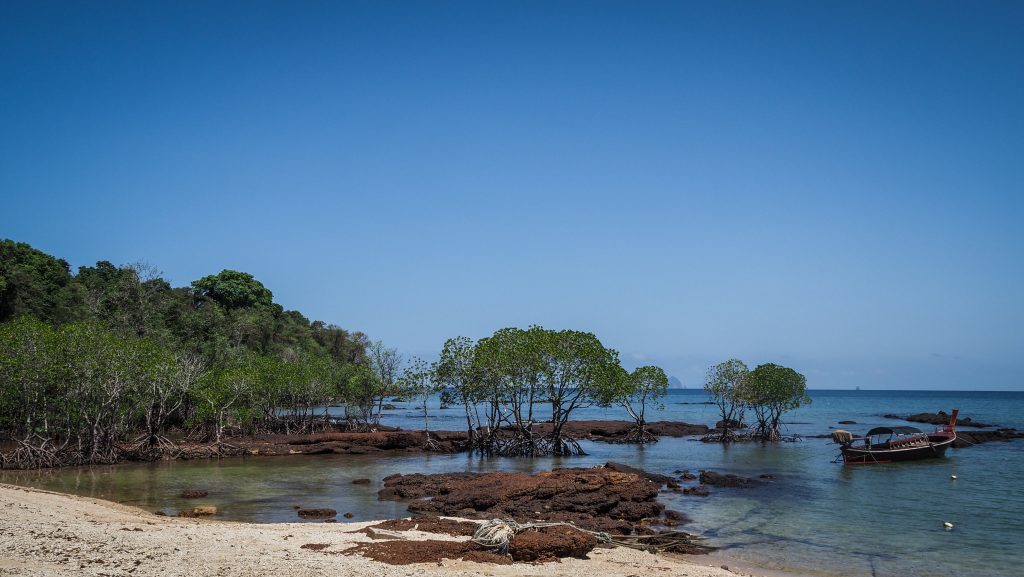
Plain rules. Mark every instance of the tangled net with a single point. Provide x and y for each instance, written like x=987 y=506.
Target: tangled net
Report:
x=841 y=437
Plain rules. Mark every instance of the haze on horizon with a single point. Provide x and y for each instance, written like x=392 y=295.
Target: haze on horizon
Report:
x=837 y=188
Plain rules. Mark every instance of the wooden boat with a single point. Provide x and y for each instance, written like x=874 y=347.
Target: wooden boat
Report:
x=889 y=444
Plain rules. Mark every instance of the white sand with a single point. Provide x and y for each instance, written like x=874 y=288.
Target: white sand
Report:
x=44 y=533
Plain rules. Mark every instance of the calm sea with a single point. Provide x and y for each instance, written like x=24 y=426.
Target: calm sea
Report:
x=815 y=517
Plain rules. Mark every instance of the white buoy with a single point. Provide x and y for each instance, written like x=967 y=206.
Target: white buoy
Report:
x=947 y=525
x=953 y=477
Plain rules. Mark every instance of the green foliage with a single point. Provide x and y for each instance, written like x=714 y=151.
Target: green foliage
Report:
x=27 y=373
x=726 y=383
x=418 y=382
x=88 y=362
x=772 y=390
x=35 y=283
x=505 y=380
x=217 y=317
x=457 y=374
x=578 y=373
x=362 y=391
x=79 y=389
x=232 y=290
x=645 y=386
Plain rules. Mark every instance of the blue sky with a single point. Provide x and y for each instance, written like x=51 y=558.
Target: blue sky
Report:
x=835 y=187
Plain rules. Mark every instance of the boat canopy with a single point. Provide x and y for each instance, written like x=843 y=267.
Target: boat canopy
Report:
x=894 y=431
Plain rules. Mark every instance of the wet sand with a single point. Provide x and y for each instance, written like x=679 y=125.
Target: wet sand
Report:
x=50 y=534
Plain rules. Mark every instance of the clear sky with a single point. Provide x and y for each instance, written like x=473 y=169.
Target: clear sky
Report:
x=838 y=187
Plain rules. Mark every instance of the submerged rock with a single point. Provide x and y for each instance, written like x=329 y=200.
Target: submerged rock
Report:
x=194 y=493
x=317 y=513
x=726 y=480
x=698 y=491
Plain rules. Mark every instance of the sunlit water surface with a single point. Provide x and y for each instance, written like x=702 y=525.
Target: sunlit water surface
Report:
x=813 y=517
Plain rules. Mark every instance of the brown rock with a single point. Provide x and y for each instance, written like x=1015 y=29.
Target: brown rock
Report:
x=402 y=552
x=430 y=525
x=616 y=431
x=361 y=482
x=655 y=477
x=698 y=491
x=726 y=480
x=317 y=513
x=969 y=438
x=677 y=516
x=598 y=499
x=551 y=543
x=203 y=511
x=194 y=493
x=940 y=418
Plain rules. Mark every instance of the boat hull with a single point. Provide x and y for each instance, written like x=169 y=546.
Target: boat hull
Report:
x=934 y=449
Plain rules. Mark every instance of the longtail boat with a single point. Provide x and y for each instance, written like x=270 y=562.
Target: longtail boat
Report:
x=889 y=444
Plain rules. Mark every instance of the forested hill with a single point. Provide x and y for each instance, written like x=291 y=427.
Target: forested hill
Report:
x=216 y=317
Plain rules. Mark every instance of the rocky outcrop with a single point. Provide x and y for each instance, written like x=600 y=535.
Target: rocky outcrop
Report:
x=350 y=443
x=618 y=431
x=655 y=477
x=940 y=418
x=968 y=438
x=598 y=499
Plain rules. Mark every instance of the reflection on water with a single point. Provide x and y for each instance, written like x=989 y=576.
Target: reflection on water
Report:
x=813 y=516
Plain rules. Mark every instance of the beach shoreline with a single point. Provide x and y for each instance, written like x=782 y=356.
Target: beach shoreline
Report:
x=46 y=533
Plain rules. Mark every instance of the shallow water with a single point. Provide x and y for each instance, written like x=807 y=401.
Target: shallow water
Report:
x=814 y=517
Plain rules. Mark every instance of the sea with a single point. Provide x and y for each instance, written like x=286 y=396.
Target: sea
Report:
x=813 y=517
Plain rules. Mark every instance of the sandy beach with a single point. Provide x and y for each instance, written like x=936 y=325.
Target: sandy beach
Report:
x=45 y=533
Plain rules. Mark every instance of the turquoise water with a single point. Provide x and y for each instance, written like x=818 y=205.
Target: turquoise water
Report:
x=814 y=517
